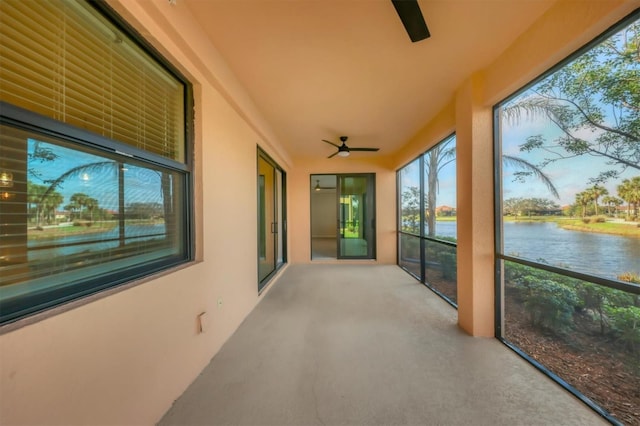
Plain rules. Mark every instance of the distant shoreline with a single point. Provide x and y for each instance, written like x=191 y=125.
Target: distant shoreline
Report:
x=624 y=229
x=52 y=232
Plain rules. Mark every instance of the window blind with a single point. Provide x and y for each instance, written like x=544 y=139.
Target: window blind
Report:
x=64 y=60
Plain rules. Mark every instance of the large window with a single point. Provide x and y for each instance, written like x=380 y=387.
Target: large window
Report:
x=94 y=176
x=427 y=219
x=568 y=242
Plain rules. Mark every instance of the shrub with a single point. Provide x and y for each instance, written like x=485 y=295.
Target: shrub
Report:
x=626 y=325
x=449 y=266
x=629 y=277
x=586 y=220
x=549 y=304
x=445 y=238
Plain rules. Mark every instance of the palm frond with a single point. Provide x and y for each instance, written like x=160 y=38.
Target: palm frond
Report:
x=533 y=169
x=529 y=108
x=99 y=166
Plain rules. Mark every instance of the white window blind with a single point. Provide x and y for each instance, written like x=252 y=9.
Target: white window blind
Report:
x=64 y=60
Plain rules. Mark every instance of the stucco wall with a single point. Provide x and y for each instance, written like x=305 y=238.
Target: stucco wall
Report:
x=123 y=359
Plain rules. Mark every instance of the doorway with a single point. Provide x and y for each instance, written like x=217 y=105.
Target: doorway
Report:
x=343 y=216
x=271 y=218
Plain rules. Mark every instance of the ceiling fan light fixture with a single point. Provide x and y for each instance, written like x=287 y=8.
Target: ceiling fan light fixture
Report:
x=343 y=153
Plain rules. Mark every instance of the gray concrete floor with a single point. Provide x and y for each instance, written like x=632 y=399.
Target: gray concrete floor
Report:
x=366 y=345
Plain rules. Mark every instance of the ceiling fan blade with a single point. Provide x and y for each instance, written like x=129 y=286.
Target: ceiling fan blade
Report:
x=364 y=149
x=412 y=19
x=331 y=143
x=334 y=154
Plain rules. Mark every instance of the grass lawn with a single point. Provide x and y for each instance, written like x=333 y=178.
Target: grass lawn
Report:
x=628 y=229
x=59 y=231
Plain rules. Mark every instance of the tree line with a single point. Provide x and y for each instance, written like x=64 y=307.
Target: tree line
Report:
x=587 y=202
x=43 y=204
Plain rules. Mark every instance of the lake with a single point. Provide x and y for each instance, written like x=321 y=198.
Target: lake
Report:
x=94 y=241
x=598 y=254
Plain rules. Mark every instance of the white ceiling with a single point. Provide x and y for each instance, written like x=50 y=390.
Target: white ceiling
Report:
x=319 y=69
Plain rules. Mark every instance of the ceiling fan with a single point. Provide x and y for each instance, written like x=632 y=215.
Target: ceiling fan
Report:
x=344 y=150
x=317 y=187
x=412 y=19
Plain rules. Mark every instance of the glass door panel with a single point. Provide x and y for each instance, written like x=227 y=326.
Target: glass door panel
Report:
x=267 y=225
x=324 y=240
x=356 y=216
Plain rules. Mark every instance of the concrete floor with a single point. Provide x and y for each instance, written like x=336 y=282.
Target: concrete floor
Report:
x=366 y=345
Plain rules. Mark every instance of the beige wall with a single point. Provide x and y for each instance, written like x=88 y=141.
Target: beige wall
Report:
x=299 y=207
x=123 y=359
x=324 y=214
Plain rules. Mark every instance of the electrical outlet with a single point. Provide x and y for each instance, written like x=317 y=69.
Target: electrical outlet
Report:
x=203 y=322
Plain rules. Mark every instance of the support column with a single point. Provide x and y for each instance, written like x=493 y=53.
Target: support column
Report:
x=474 y=160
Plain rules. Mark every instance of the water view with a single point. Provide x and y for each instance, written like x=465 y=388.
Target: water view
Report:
x=599 y=254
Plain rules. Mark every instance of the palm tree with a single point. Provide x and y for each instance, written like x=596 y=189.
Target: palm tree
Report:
x=611 y=201
x=434 y=161
x=583 y=199
x=50 y=204
x=594 y=193
x=629 y=190
x=35 y=195
x=91 y=204
x=79 y=200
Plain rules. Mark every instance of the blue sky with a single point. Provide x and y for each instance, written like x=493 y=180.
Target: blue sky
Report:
x=141 y=185
x=570 y=176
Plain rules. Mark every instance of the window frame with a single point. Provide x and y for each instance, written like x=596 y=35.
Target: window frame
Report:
x=25 y=307
x=497 y=167
x=422 y=235
x=500 y=258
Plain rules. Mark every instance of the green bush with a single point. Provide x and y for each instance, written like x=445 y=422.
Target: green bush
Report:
x=449 y=265
x=549 y=304
x=626 y=326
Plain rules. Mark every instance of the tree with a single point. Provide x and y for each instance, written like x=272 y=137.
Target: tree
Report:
x=629 y=191
x=434 y=161
x=50 y=204
x=611 y=201
x=45 y=201
x=411 y=209
x=91 y=204
x=594 y=193
x=597 y=94
x=78 y=200
x=583 y=199
x=529 y=206
x=511 y=206
x=34 y=197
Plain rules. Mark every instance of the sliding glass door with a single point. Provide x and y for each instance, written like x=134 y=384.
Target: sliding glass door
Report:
x=356 y=225
x=343 y=216
x=271 y=218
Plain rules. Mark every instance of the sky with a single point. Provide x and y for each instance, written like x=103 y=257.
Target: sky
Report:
x=569 y=176
x=101 y=183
